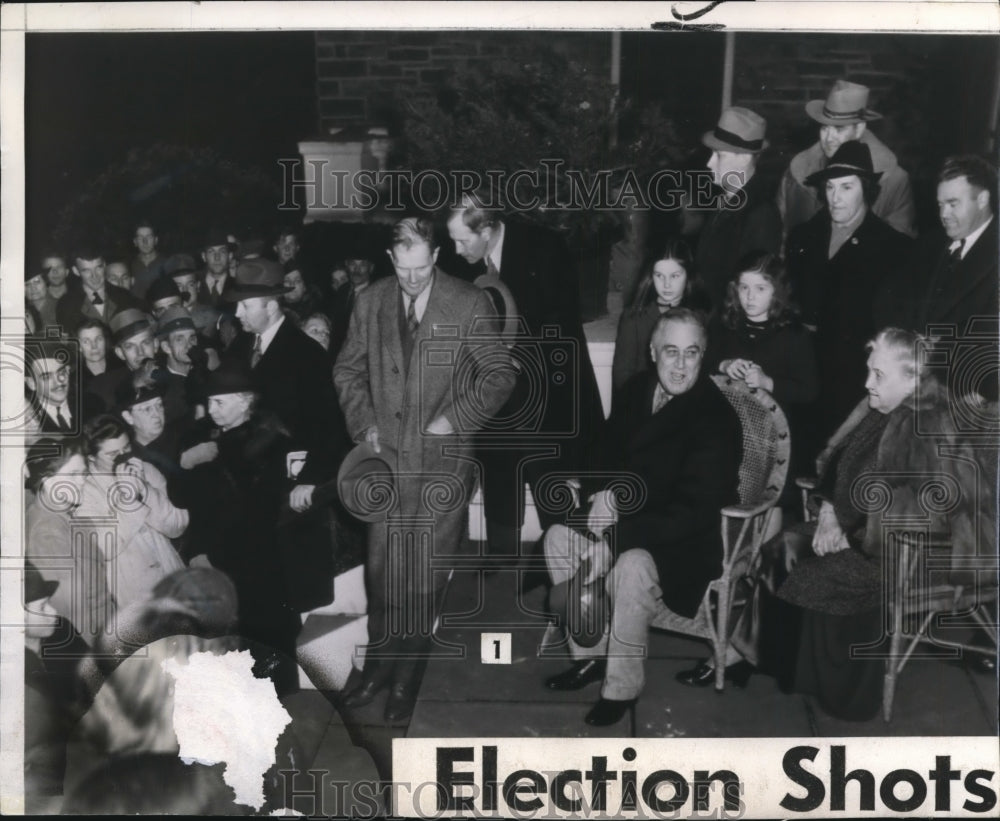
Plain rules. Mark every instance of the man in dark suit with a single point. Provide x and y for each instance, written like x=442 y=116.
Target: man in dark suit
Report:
x=675 y=442
x=554 y=416
x=47 y=375
x=955 y=292
x=215 y=254
x=291 y=371
x=414 y=382
x=97 y=299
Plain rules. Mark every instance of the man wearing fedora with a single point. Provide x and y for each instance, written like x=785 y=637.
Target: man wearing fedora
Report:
x=291 y=371
x=178 y=340
x=744 y=217
x=841 y=263
x=415 y=385
x=842 y=117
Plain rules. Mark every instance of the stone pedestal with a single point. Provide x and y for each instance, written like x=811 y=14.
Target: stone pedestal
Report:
x=337 y=177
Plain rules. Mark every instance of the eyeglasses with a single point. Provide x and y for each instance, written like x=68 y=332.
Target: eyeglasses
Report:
x=58 y=375
x=691 y=355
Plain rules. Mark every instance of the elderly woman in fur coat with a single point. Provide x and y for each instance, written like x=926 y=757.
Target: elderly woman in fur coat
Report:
x=237 y=486
x=829 y=575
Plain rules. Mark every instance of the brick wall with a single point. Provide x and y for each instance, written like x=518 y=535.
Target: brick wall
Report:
x=358 y=72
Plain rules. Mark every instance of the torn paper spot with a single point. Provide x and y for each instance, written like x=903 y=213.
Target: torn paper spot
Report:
x=223 y=713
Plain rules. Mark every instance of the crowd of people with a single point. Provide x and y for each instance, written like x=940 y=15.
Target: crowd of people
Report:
x=224 y=410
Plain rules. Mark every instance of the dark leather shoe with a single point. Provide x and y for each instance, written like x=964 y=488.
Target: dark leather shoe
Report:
x=608 y=711
x=363 y=694
x=579 y=675
x=703 y=674
x=399 y=705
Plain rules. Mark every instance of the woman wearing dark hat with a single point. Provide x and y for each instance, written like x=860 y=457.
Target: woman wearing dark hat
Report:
x=840 y=262
x=238 y=484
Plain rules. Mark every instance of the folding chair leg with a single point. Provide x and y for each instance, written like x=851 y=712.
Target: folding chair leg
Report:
x=892 y=664
x=722 y=636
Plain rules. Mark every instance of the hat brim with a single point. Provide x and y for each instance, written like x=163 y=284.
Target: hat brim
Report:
x=366 y=482
x=709 y=139
x=40 y=591
x=814 y=108
x=236 y=292
x=835 y=172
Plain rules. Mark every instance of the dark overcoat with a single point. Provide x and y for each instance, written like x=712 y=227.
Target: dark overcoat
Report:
x=687 y=459
x=844 y=298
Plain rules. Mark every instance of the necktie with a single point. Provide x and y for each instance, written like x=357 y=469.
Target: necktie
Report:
x=63 y=422
x=411 y=318
x=97 y=299
x=956 y=252
x=257 y=352
x=491 y=269
x=660 y=398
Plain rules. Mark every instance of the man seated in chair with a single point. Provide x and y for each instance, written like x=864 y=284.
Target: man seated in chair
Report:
x=675 y=442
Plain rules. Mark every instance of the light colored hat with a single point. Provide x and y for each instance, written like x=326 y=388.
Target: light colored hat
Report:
x=846 y=104
x=740 y=130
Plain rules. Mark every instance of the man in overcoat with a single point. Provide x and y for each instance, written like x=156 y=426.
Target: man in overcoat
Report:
x=844 y=116
x=292 y=373
x=674 y=448
x=555 y=401
x=743 y=218
x=414 y=381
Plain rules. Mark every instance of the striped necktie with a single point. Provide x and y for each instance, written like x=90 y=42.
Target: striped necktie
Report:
x=412 y=323
x=257 y=352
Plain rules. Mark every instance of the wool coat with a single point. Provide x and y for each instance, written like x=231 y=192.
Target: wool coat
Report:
x=449 y=373
x=844 y=298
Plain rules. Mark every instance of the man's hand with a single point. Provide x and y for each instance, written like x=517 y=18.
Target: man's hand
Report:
x=371 y=437
x=440 y=427
x=599 y=558
x=829 y=538
x=199 y=455
x=602 y=512
x=301 y=497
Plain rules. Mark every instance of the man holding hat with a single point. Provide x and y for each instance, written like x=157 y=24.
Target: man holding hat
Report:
x=415 y=385
x=842 y=117
x=840 y=263
x=744 y=218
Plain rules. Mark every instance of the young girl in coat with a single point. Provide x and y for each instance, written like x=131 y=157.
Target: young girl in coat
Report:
x=761 y=341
